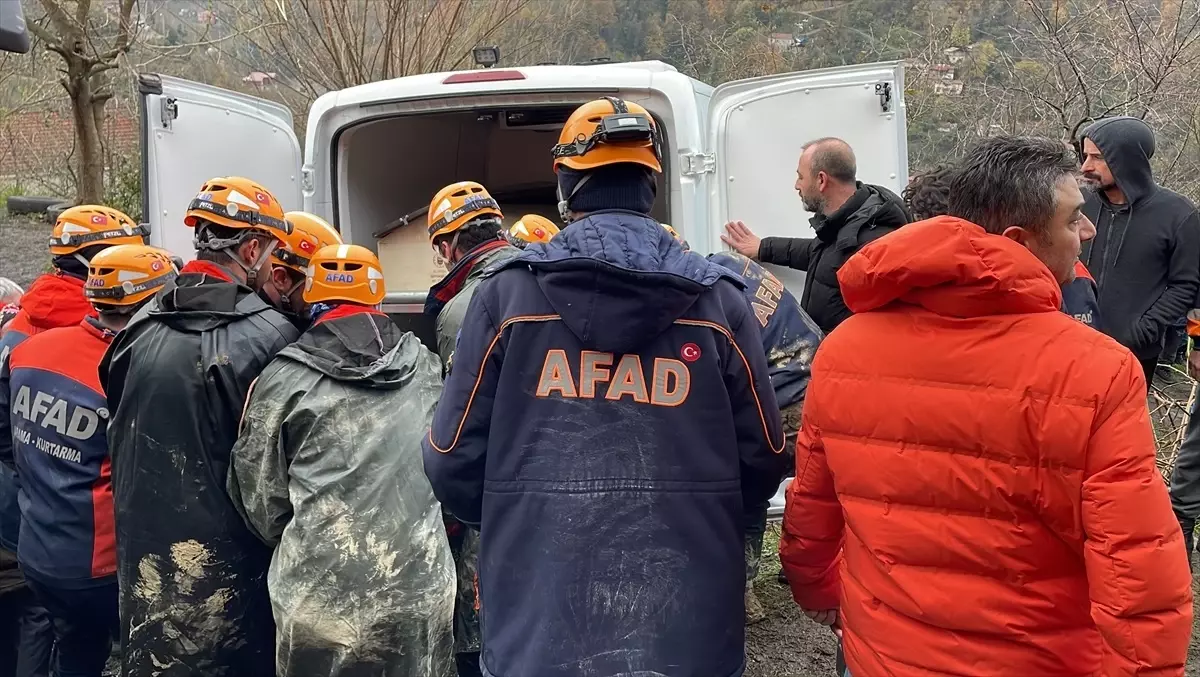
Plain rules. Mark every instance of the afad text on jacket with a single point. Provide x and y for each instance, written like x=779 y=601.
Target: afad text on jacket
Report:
x=608 y=413
x=53 y=434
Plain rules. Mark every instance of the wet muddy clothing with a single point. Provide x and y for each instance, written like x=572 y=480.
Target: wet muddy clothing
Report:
x=327 y=470
x=192 y=576
x=447 y=302
x=608 y=416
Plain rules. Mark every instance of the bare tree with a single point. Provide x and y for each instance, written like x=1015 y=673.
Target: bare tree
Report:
x=90 y=48
x=321 y=45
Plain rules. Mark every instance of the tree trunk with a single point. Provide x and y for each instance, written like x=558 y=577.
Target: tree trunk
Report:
x=88 y=112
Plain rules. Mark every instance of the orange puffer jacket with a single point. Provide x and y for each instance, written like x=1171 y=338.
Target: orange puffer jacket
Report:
x=975 y=482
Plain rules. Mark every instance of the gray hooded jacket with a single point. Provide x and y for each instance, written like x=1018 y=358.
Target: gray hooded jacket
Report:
x=1146 y=253
x=327 y=469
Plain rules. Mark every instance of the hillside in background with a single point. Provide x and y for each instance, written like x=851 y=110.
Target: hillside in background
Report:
x=975 y=67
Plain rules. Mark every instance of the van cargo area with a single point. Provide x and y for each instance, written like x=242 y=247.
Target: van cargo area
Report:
x=387 y=168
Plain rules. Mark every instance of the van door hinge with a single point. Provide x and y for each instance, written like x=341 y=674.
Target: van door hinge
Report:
x=884 y=91
x=168 y=111
x=698 y=163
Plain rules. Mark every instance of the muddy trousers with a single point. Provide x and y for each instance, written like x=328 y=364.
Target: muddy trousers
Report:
x=85 y=624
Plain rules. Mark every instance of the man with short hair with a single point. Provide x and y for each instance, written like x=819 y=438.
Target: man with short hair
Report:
x=192 y=576
x=847 y=214
x=1146 y=255
x=990 y=504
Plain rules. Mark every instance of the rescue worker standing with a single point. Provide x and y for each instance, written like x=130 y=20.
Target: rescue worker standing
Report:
x=290 y=262
x=58 y=447
x=192 y=576
x=464 y=229
x=790 y=341
x=611 y=392
x=54 y=300
x=327 y=470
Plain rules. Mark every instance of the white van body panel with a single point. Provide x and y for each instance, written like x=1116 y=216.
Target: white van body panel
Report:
x=758 y=126
x=213 y=132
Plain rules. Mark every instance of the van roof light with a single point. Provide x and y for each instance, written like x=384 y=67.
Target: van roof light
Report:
x=488 y=75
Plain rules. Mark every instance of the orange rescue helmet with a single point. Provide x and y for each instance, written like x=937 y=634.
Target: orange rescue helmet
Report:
x=90 y=225
x=344 y=272
x=238 y=203
x=127 y=274
x=529 y=229
x=309 y=234
x=457 y=205
x=608 y=131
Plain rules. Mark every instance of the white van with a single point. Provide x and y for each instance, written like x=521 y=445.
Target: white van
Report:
x=377 y=152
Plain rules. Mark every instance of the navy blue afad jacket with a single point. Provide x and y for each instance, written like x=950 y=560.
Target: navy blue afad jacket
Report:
x=790 y=337
x=608 y=415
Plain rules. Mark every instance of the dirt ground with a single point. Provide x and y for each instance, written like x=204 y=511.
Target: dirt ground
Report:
x=23 y=243
x=786 y=644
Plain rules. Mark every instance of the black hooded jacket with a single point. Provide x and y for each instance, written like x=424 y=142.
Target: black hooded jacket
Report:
x=869 y=214
x=1146 y=253
x=193 y=578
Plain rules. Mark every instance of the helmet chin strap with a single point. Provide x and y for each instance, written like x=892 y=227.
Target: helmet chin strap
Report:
x=563 y=202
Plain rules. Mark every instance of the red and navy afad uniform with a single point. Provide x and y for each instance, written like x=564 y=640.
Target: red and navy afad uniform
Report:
x=53 y=300
x=1079 y=297
x=55 y=434
x=608 y=416
x=790 y=337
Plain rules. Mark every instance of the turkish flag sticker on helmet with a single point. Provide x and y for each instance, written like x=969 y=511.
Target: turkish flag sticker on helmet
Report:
x=99 y=219
x=156 y=266
x=307 y=246
x=262 y=199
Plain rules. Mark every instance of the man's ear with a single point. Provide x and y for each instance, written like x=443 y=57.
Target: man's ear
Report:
x=1016 y=234
x=249 y=250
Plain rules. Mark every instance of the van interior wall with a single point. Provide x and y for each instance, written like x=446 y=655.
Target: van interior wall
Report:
x=388 y=168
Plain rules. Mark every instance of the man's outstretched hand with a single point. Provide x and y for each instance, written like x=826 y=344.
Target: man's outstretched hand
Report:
x=827 y=617
x=739 y=237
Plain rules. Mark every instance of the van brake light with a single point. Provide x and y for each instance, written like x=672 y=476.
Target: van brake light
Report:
x=487 y=75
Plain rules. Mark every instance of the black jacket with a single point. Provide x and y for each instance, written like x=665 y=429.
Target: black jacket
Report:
x=193 y=578
x=1146 y=253
x=869 y=214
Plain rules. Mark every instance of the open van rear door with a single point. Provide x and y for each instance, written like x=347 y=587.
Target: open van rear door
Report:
x=192 y=132
x=756 y=129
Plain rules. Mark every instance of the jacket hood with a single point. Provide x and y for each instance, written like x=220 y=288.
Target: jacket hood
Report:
x=365 y=348
x=196 y=302
x=1127 y=145
x=951 y=267
x=56 y=301
x=619 y=279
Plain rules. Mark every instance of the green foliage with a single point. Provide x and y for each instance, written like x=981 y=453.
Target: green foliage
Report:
x=7 y=191
x=125 y=188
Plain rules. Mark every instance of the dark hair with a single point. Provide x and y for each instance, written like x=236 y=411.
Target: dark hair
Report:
x=928 y=194
x=1009 y=181
x=223 y=256
x=834 y=157
x=473 y=234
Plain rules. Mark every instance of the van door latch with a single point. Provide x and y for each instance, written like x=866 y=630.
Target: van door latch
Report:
x=168 y=111
x=884 y=91
x=694 y=164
